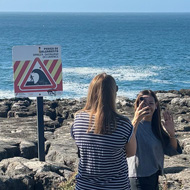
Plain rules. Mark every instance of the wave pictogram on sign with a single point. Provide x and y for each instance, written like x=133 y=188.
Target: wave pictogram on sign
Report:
x=37 y=78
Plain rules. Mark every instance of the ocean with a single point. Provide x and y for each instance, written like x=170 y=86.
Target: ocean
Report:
x=140 y=50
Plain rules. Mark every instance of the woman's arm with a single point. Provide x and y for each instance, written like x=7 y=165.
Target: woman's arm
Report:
x=131 y=146
x=173 y=141
x=168 y=124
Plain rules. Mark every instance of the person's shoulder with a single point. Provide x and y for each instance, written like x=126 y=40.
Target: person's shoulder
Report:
x=124 y=125
x=123 y=119
x=81 y=114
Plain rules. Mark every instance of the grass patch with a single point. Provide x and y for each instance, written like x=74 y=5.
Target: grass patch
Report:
x=69 y=184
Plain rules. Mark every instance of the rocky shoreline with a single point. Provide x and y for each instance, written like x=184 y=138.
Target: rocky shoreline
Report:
x=19 y=165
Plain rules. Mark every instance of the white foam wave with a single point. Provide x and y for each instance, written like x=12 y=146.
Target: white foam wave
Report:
x=6 y=94
x=73 y=77
x=72 y=90
x=76 y=90
x=186 y=82
x=121 y=73
x=76 y=80
x=161 y=81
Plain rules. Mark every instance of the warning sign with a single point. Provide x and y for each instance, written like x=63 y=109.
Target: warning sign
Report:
x=37 y=77
x=37 y=71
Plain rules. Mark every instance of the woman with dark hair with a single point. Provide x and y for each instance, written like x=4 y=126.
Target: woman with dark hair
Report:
x=104 y=139
x=154 y=139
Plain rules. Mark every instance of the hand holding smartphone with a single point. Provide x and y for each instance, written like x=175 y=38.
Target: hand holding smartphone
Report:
x=142 y=111
x=142 y=99
x=144 y=103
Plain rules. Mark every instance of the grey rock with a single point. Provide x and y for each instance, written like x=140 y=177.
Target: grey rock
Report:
x=181 y=101
x=28 y=149
x=19 y=173
x=4 y=108
x=167 y=97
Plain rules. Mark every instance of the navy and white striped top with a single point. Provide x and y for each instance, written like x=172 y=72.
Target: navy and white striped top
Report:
x=102 y=164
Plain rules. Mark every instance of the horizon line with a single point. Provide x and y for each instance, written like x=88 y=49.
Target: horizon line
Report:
x=92 y=12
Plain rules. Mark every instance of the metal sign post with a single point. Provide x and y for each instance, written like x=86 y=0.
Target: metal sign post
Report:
x=41 y=151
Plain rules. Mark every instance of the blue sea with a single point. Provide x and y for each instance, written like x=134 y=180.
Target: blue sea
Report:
x=140 y=50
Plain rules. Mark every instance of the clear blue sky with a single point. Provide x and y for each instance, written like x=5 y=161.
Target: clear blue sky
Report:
x=95 y=5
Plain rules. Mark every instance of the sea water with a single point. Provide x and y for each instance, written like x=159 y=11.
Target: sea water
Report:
x=140 y=50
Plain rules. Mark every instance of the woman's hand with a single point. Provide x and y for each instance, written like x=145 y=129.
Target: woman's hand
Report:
x=140 y=113
x=168 y=123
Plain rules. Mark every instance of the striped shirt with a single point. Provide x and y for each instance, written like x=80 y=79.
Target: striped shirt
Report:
x=102 y=164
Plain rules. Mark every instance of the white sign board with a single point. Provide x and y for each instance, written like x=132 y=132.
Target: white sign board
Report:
x=37 y=70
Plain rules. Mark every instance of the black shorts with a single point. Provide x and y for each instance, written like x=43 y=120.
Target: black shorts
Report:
x=145 y=183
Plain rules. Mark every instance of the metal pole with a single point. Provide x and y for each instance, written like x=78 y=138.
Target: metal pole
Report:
x=41 y=152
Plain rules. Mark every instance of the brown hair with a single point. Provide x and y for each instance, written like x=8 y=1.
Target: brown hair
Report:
x=156 y=124
x=101 y=104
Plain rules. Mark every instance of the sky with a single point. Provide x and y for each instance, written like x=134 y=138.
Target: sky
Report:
x=94 y=5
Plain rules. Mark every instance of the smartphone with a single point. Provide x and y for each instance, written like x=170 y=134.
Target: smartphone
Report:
x=144 y=103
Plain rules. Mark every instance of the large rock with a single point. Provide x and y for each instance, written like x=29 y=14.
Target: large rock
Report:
x=63 y=149
x=22 y=174
x=4 y=108
x=167 y=97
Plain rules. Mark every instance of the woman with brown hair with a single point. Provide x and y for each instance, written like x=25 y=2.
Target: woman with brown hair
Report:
x=104 y=139
x=154 y=139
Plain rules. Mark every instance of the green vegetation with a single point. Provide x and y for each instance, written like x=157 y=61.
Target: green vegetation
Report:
x=68 y=185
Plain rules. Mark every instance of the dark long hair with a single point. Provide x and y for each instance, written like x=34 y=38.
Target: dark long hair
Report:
x=156 y=124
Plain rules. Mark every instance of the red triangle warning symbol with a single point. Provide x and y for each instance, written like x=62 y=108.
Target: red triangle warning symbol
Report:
x=37 y=78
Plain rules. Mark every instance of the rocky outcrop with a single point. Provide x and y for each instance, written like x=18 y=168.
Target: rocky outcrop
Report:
x=19 y=140
x=19 y=173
